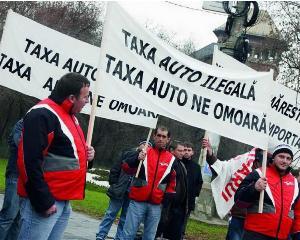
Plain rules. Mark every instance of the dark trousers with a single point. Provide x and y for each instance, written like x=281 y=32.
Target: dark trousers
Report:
x=171 y=223
x=10 y=214
x=235 y=228
x=172 y=227
x=186 y=218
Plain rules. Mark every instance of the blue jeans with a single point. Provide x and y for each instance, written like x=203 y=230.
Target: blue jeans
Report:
x=235 y=229
x=138 y=212
x=110 y=215
x=9 y=215
x=36 y=226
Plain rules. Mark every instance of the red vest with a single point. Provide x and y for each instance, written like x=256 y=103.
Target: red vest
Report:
x=276 y=219
x=159 y=177
x=65 y=176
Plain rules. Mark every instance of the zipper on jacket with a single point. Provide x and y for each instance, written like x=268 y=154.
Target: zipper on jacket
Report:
x=84 y=144
x=280 y=218
x=154 y=175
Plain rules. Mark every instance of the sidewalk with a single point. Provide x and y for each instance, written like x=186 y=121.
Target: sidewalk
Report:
x=84 y=227
x=81 y=226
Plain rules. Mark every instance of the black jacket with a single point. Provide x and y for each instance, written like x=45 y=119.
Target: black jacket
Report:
x=194 y=182
x=119 y=180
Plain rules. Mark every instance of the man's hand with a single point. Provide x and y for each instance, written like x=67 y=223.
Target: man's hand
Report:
x=206 y=144
x=90 y=152
x=51 y=211
x=142 y=155
x=261 y=184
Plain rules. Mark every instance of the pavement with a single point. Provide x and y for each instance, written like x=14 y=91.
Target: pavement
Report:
x=84 y=227
x=81 y=226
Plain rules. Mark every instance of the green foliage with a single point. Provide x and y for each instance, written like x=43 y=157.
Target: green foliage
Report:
x=3 y=163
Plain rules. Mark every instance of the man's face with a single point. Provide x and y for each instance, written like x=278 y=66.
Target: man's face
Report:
x=188 y=152
x=282 y=161
x=161 y=139
x=178 y=152
x=80 y=101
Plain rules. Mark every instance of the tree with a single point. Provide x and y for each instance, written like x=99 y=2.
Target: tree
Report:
x=287 y=16
x=186 y=46
x=78 y=19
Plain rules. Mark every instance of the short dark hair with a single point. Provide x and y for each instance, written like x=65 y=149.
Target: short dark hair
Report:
x=175 y=144
x=162 y=128
x=69 y=84
x=189 y=145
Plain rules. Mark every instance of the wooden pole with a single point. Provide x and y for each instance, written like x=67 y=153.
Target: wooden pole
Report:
x=264 y=168
x=262 y=193
x=91 y=121
x=145 y=149
x=95 y=96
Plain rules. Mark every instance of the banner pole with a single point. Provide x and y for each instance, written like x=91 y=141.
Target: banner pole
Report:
x=262 y=193
x=94 y=101
x=263 y=168
x=91 y=120
x=145 y=149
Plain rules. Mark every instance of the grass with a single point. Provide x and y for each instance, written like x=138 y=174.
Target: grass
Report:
x=202 y=231
x=96 y=202
x=3 y=164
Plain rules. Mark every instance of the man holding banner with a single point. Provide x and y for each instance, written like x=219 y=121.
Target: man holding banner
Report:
x=232 y=169
x=275 y=222
x=119 y=182
x=155 y=181
x=52 y=160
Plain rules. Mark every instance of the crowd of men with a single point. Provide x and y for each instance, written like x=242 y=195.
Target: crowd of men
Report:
x=154 y=184
x=161 y=195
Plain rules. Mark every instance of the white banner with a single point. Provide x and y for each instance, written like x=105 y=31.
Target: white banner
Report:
x=230 y=175
x=284 y=111
x=33 y=57
x=144 y=70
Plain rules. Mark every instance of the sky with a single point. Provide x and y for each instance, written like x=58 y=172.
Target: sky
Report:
x=182 y=19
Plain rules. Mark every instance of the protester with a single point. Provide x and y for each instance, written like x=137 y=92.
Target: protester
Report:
x=119 y=183
x=52 y=160
x=237 y=215
x=175 y=209
x=9 y=215
x=194 y=179
x=155 y=179
x=281 y=191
